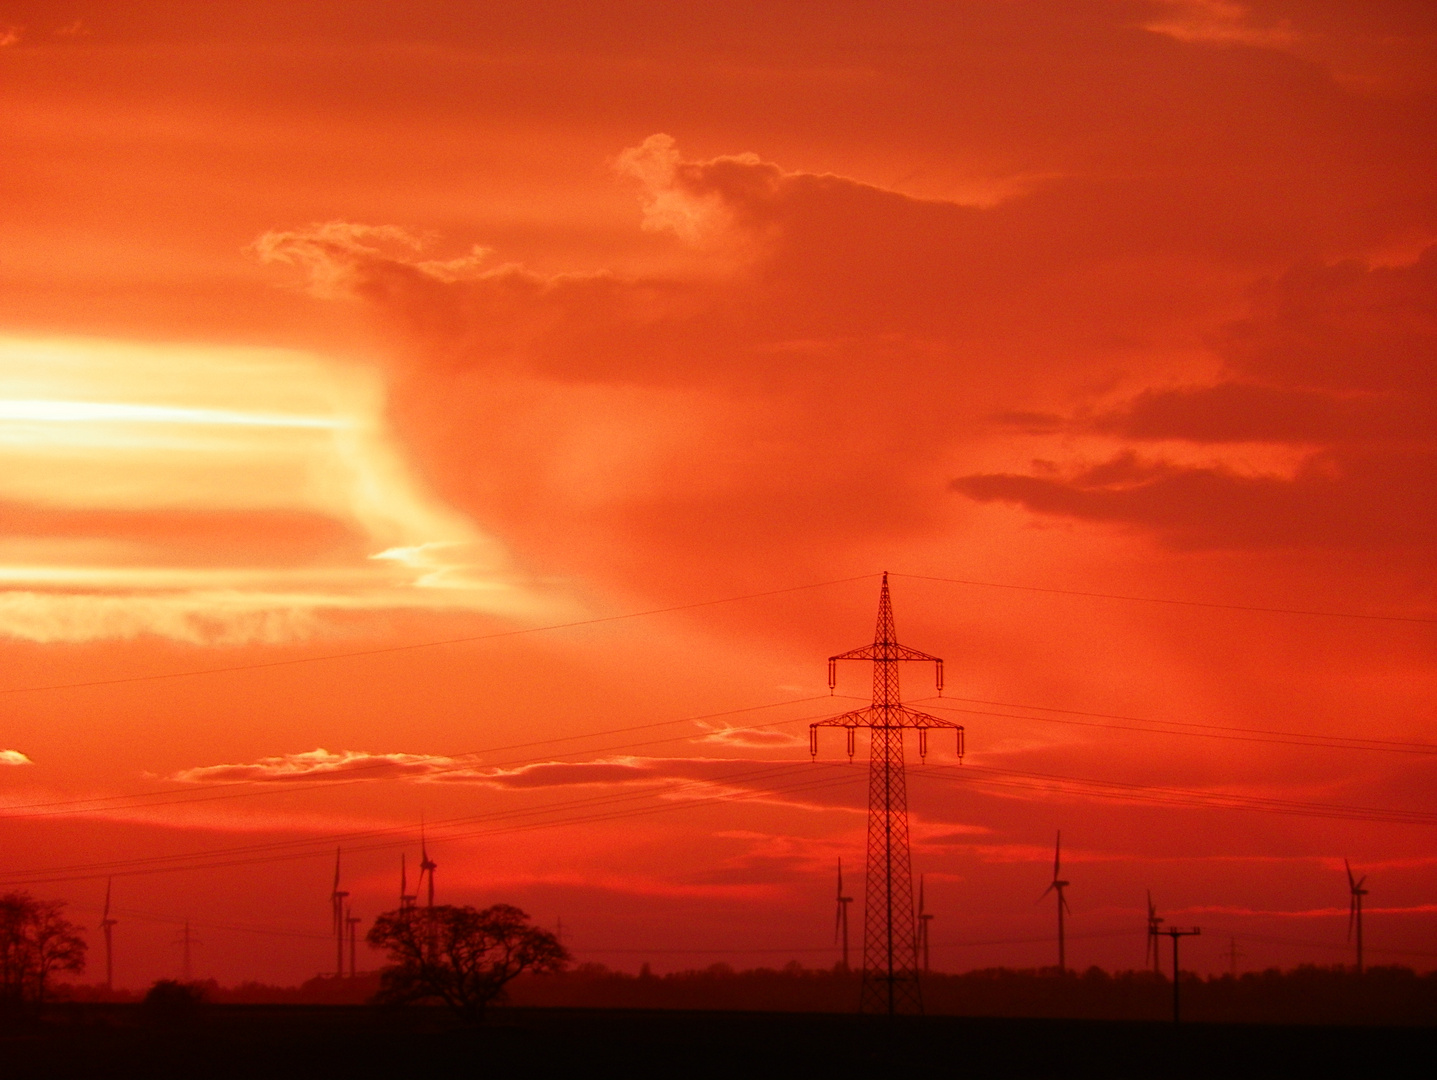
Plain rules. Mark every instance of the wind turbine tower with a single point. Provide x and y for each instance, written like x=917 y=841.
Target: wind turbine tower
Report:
x=1354 y=911
x=890 y=976
x=337 y=897
x=1154 y=930
x=1058 y=885
x=840 y=925
x=427 y=866
x=351 y=923
x=924 y=918
x=406 y=898
x=107 y=926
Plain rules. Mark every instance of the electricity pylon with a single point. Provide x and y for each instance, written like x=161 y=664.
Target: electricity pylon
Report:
x=187 y=942
x=890 y=975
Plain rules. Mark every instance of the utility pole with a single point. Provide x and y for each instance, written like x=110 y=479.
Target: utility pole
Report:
x=1175 y=933
x=890 y=978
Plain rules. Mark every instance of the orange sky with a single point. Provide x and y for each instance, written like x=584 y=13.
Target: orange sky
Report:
x=331 y=330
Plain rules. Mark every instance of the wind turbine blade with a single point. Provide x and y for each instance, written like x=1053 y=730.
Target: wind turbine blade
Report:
x=840 y=876
x=108 y=883
x=1064 y=901
x=1360 y=882
x=838 y=924
x=1044 y=893
x=920 y=895
x=336 y=869
x=1351 y=884
x=1057 y=854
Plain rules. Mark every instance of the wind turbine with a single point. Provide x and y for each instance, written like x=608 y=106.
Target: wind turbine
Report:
x=1057 y=885
x=337 y=896
x=351 y=922
x=840 y=925
x=1354 y=911
x=1154 y=923
x=426 y=866
x=923 y=920
x=107 y=926
x=406 y=898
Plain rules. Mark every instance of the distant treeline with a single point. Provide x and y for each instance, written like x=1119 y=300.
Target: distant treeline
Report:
x=1307 y=994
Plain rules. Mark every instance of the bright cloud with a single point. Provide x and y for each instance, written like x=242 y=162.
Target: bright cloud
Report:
x=14 y=757
x=216 y=494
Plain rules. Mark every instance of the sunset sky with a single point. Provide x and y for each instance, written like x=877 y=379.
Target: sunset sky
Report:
x=495 y=414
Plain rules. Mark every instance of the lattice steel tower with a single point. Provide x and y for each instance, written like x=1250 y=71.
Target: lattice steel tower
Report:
x=890 y=958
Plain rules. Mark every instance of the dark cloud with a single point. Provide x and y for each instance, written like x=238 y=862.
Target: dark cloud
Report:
x=1337 y=361
x=1351 y=502
x=1343 y=326
x=1251 y=412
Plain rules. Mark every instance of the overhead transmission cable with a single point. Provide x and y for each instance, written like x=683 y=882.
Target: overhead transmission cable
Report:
x=1178 y=603
x=599 y=620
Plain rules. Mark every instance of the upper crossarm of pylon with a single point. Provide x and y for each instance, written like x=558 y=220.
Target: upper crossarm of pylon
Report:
x=903 y=652
x=865 y=652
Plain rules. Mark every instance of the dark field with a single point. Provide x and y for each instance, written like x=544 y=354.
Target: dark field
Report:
x=267 y=1041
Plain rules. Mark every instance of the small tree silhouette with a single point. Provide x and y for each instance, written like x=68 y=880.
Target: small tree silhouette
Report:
x=37 y=942
x=460 y=955
x=170 y=1001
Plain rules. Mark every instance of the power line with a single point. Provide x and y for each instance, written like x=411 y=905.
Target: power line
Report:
x=1205 y=731
x=411 y=647
x=597 y=808
x=281 y=786
x=249 y=854
x=497 y=635
x=1176 y=603
x=1113 y=789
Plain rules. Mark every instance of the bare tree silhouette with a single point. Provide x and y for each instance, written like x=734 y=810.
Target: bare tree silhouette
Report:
x=37 y=942
x=460 y=955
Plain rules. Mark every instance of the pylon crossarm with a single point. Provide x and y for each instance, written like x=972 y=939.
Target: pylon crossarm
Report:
x=851 y=720
x=884 y=652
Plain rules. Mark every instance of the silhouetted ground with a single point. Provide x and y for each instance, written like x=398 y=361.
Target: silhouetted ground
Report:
x=1303 y=995
x=277 y=1042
